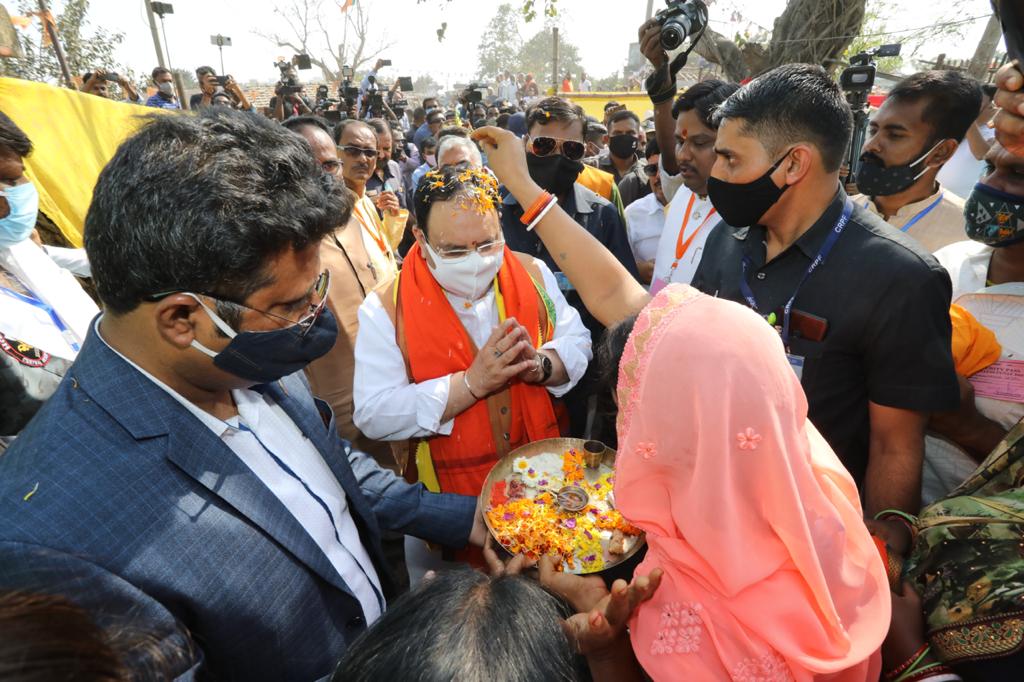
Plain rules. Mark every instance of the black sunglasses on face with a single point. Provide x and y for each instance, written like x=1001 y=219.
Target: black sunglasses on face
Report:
x=651 y=169
x=546 y=146
x=355 y=152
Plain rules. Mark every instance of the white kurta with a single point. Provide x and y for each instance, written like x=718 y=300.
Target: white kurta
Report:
x=388 y=407
x=700 y=219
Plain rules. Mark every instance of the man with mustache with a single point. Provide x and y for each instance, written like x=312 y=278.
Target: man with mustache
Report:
x=357 y=143
x=915 y=132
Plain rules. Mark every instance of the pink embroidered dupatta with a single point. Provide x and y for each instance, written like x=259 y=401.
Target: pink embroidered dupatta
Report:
x=770 y=573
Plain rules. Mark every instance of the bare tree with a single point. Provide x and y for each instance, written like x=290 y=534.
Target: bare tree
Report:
x=310 y=32
x=815 y=31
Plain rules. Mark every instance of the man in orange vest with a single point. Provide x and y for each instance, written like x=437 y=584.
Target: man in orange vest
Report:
x=459 y=357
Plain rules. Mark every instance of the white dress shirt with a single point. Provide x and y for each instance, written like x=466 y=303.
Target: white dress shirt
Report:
x=962 y=171
x=700 y=219
x=388 y=407
x=267 y=441
x=645 y=220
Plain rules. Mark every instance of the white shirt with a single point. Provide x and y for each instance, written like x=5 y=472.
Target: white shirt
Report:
x=267 y=428
x=670 y=184
x=645 y=219
x=585 y=85
x=967 y=264
x=388 y=407
x=51 y=284
x=962 y=171
x=701 y=222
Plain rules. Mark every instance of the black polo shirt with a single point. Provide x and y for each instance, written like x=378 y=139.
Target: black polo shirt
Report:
x=886 y=302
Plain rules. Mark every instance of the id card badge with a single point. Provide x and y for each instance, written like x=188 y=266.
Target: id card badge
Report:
x=797 y=363
x=563 y=282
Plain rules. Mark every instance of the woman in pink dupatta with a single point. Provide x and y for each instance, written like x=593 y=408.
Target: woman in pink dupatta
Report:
x=769 y=571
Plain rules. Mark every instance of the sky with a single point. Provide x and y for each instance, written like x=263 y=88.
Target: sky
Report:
x=602 y=30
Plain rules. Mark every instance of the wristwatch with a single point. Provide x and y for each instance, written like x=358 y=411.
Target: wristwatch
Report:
x=544 y=363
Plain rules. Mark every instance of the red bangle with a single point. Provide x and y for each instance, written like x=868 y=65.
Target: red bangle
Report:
x=535 y=208
x=893 y=674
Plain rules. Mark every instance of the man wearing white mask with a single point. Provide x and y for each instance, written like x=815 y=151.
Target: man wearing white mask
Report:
x=164 y=97
x=484 y=341
x=44 y=313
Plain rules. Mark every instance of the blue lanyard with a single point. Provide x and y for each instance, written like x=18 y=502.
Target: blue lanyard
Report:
x=923 y=213
x=68 y=335
x=818 y=260
x=288 y=470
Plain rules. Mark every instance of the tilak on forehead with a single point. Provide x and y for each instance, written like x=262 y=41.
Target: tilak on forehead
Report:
x=478 y=191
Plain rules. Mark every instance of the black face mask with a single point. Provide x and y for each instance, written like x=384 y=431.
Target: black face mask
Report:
x=623 y=146
x=874 y=179
x=743 y=204
x=265 y=357
x=554 y=173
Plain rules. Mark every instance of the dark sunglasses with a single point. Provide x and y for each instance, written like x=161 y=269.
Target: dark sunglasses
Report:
x=651 y=169
x=546 y=146
x=356 y=152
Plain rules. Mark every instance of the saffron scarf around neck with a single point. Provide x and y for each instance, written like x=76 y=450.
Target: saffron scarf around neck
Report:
x=438 y=345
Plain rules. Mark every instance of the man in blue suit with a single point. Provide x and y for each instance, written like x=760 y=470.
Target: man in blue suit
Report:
x=183 y=482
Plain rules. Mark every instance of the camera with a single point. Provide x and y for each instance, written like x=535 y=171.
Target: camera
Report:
x=290 y=83
x=679 y=20
x=473 y=93
x=856 y=81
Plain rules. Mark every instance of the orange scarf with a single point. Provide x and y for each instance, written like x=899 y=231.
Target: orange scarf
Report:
x=439 y=345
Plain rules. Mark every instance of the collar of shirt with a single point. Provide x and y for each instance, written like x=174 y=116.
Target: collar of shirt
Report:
x=809 y=243
x=649 y=205
x=907 y=211
x=218 y=426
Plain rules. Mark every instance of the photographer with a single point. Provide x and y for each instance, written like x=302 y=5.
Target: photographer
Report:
x=95 y=83
x=207 y=79
x=288 y=99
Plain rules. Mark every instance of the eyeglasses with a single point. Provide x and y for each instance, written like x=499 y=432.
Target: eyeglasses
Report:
x=317 y=296
x=546 y=146
x=651 y=169
x=356 y=152
x=459 y=255
x=331 y=166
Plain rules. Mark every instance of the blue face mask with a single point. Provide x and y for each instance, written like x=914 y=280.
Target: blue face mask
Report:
x=17 y=225
x=265 y=357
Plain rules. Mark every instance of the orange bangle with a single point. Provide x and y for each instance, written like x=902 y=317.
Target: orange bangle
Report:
x=535 y=208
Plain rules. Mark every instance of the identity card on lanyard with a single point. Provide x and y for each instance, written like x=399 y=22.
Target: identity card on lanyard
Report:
x=796 y=361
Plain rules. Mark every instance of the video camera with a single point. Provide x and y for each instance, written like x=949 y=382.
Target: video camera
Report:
x=856 y=81
x=347 y=92
x=681 y=19
x=473 y=93
x=290 y=83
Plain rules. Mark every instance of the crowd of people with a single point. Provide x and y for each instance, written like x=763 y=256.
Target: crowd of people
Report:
x=247 y=427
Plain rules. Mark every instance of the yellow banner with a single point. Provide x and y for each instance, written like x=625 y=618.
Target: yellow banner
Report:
x=73 y=136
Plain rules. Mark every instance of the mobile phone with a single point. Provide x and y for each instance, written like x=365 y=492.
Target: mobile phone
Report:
x=222 y=80
x=1011 y=14
x=111 y=76
x=385 y=62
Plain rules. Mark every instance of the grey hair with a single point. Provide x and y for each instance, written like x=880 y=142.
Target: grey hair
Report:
x=453 y=141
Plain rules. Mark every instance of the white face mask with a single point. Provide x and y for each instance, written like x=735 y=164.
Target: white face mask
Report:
x=469 y=278
x=167 y=87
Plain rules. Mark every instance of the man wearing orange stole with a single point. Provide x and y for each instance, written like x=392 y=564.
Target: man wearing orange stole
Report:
x=458 y=358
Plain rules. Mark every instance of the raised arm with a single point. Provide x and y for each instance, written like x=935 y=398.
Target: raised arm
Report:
x=608 y=290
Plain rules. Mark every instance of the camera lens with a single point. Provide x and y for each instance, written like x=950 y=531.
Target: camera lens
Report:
x=674 y=32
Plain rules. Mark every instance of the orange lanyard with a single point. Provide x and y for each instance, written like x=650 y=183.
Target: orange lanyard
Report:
x=372 y=229
x=681 y=246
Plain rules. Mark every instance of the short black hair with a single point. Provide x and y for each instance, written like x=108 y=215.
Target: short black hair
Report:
x=441 y=184
x=623 y=115
x=609 y=105
x=954 y=101
x=435 y=116
x=158 y=71
x=464 y=625
x=203 y=70
x=379 y=125
x=651 y=149
x=791 y=104
x=428 y=141
x=343 y=124
x=555 y=109
x=297 y=123
x=13 y=138
x=704 y=97
x=502 y=120
x=243 y=189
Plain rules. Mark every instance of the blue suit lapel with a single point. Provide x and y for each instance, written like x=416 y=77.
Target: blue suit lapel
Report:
x=147 y=411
